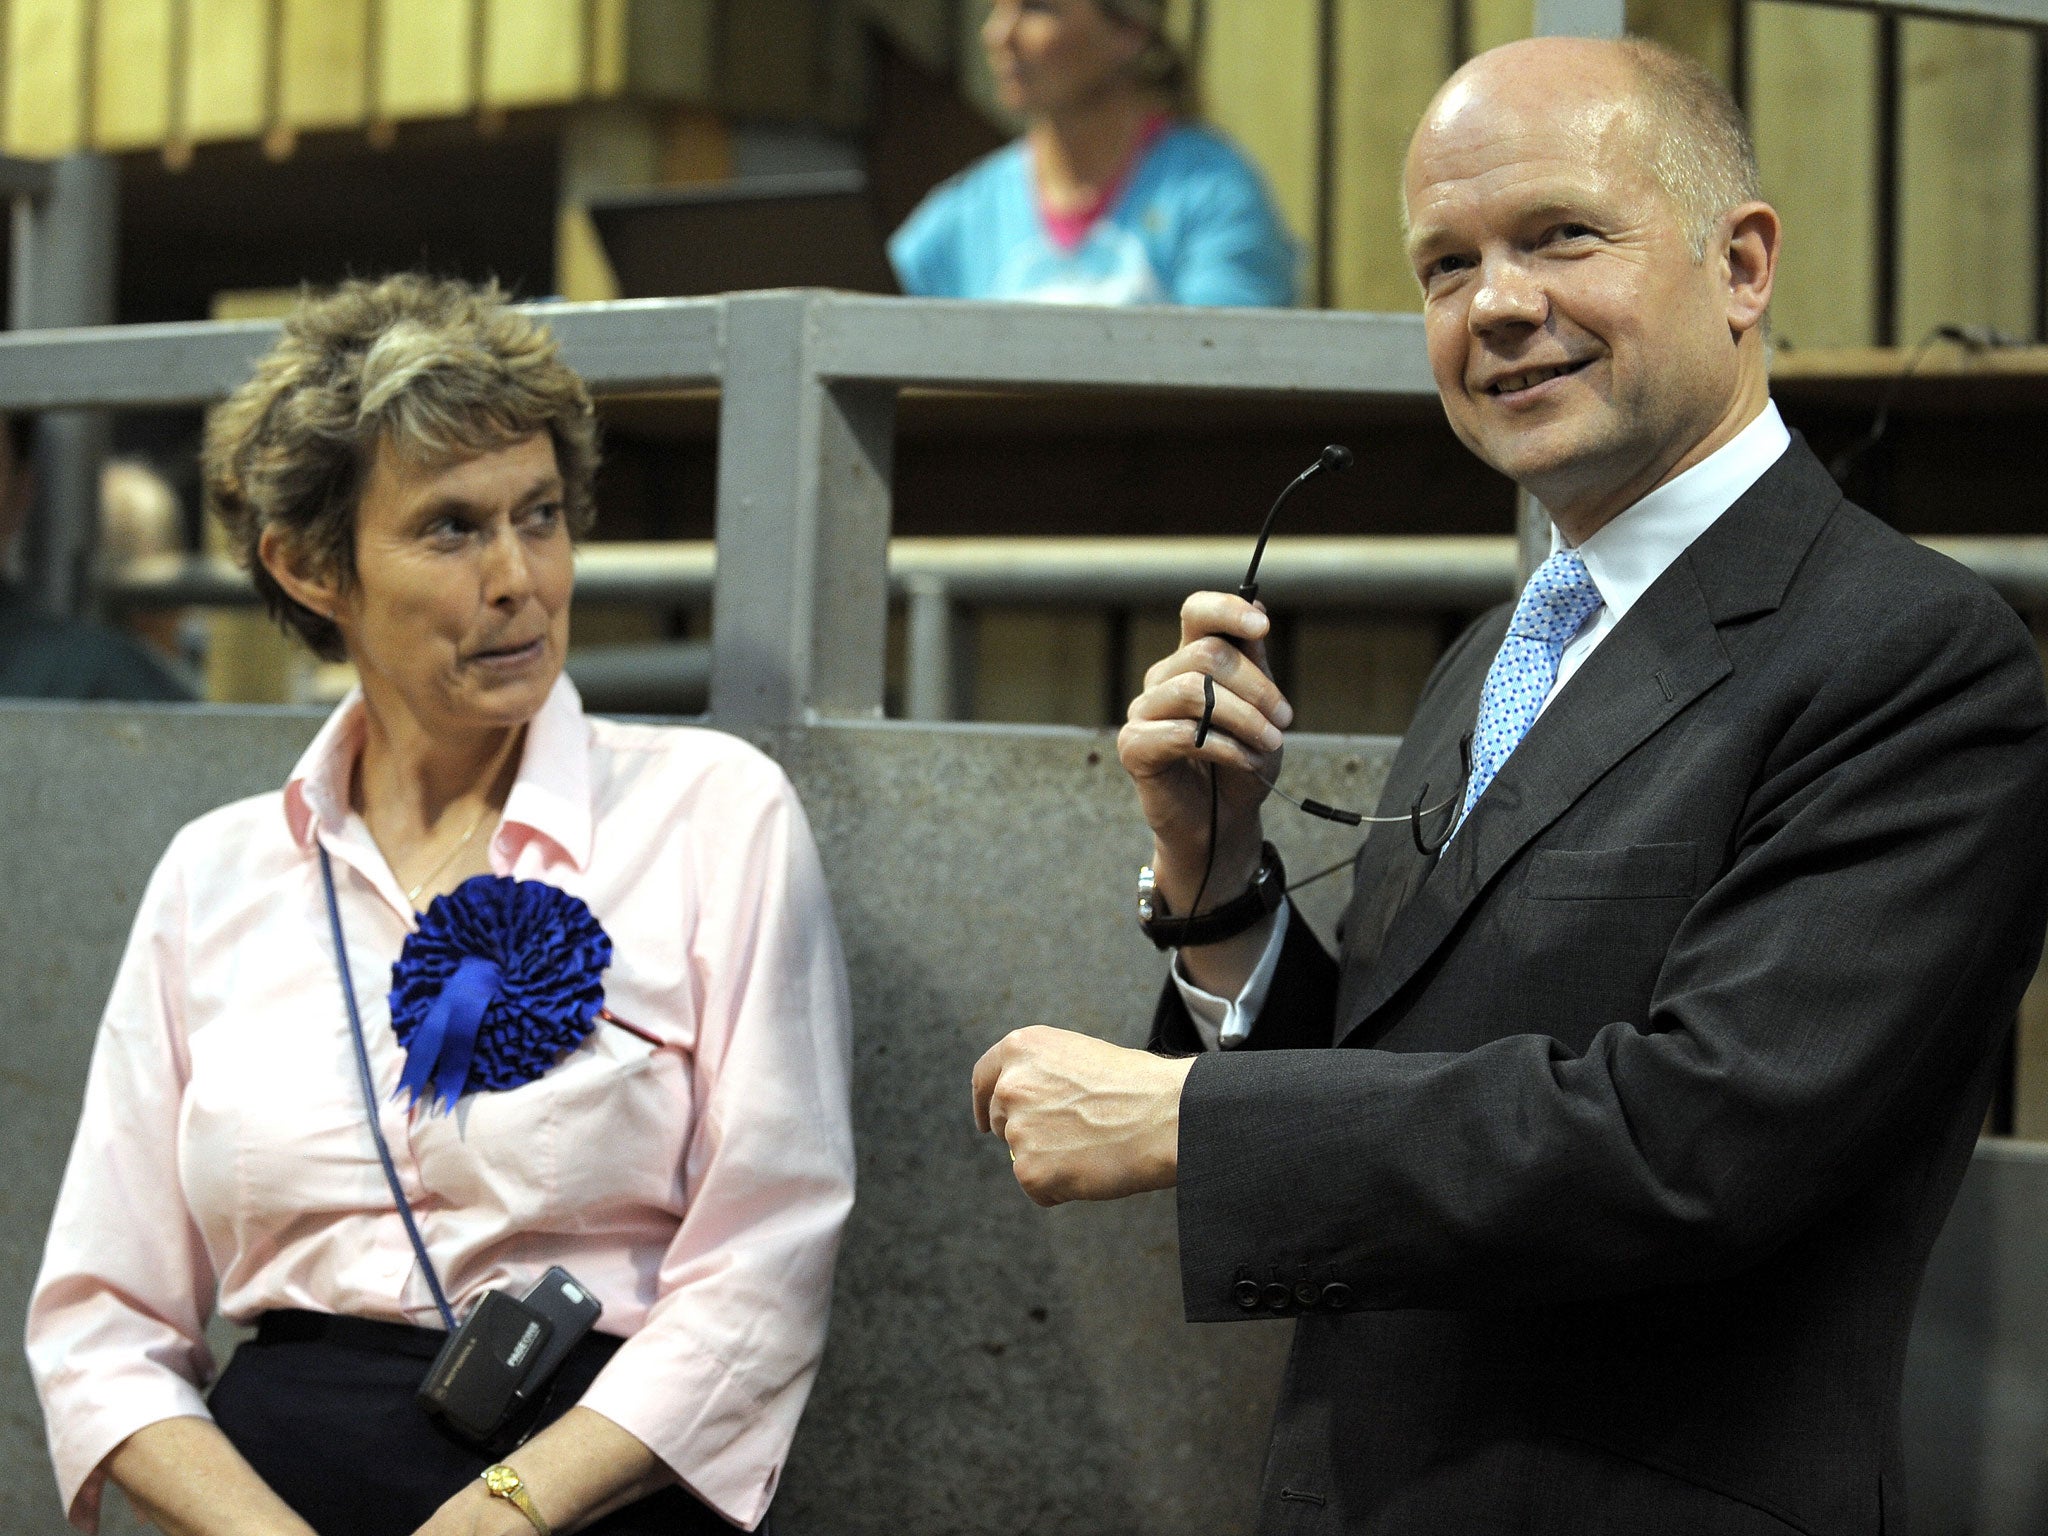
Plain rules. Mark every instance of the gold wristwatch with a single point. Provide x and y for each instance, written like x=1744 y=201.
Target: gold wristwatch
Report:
x=506 y=1484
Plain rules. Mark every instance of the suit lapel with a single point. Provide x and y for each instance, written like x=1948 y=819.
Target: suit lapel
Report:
x=1664 y=654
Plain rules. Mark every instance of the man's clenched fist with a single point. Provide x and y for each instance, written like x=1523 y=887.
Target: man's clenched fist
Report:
x=1084 y=1119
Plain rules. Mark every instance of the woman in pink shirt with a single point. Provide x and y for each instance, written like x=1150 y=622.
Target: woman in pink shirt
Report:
x=615 y=1040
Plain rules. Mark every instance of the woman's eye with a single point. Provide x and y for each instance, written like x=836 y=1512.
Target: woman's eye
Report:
x=1573 y=232
x=447 y=530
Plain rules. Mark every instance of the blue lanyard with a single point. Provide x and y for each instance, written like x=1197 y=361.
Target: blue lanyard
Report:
x=355 y=1022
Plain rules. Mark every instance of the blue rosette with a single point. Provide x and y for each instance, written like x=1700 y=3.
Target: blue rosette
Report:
x=501 y=980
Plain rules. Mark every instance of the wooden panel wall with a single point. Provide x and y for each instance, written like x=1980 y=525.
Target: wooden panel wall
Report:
x=323 y=78
x=46 y=44
x=535 y=51
x=1260 y=68
x=426 y=58
x=1489 y=23
x=131 y=80
x=1966 y=183
x=1813 y=102
x=226 y=89
x=1391 y=57
x=1702 y=29
x=138 y=74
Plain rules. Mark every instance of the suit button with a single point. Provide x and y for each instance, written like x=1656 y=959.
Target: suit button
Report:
x=1247 y=1294
x=1308 y=1293
x=1278 y=1297
x=1337 y=1296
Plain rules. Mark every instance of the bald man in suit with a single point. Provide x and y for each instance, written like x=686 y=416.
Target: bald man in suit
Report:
x=1598 y=1171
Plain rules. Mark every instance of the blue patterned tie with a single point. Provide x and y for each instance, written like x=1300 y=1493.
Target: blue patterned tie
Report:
x=1553 y=606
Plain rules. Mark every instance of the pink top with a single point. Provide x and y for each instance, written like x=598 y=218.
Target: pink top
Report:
x=699 y=1190
x=1068 y=230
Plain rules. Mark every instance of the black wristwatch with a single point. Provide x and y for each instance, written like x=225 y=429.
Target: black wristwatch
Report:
x=1166 y=931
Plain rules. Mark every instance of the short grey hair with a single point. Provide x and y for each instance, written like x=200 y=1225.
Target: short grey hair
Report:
x=438 y=368
x=1700 y=151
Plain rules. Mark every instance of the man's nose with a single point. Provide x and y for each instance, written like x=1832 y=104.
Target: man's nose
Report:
x=1509 y=297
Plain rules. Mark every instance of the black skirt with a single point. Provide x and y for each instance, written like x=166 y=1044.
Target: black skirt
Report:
x=323 y=1409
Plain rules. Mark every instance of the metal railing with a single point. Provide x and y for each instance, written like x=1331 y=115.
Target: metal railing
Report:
x=935 y=579
x=808 y=384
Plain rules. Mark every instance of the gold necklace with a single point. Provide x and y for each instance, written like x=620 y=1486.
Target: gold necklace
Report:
x=412 y=896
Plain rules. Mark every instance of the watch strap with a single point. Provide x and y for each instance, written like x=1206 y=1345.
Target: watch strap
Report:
x=1261 y=897
x=506 y=1484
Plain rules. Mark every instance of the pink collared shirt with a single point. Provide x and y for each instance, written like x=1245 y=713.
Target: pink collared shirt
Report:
x=223 y=1157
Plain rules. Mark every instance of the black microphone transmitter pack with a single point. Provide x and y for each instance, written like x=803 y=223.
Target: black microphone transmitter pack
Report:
x=505 y=1353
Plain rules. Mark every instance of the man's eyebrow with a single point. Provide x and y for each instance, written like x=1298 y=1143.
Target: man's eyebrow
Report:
x=1425 y=239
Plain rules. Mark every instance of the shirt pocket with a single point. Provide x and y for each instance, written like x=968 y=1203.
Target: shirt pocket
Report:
x=1641 y=872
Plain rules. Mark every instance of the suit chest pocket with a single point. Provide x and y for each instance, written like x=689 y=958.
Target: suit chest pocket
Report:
x=1643 y=872
x=1592 y=932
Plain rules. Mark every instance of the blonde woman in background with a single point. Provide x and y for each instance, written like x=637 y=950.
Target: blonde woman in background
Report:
x=1113 y=195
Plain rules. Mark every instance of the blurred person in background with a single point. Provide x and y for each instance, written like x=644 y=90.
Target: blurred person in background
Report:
x=615 y=1040
x=141 y=520
x=1112 y=196
x=43 y=656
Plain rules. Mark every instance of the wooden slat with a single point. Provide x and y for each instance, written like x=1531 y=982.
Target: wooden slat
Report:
x=769 y=56
x=671 y=46
x=1391 y=56
x=1260 y=67
x=1489 y=23
x=921 y=28
x=1966 y=119
x=132 y=74
x=610 y=32
x=224 y=86
x=323 y=63
x=426 y=63
x=46 y=75
x=1705 y=29
x=533 y=52
x=1813 y=82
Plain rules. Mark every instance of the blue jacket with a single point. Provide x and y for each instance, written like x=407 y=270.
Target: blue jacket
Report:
x=1194 y=224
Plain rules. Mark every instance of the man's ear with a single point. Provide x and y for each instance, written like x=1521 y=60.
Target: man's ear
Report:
x=1754 y=236
x=305 y=584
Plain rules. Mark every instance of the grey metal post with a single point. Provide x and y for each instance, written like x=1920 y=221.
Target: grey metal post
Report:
x=64 y=256
x=932 y=646
x=800 y=602
x=1559 y=18
x=1580 y=18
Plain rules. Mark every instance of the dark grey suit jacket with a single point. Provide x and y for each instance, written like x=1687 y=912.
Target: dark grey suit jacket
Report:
x=1608 y=1213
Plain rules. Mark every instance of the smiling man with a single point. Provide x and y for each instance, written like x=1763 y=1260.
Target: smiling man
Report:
x=1598 y=1172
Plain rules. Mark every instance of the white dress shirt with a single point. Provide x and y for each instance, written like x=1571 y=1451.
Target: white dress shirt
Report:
x=1624 y=559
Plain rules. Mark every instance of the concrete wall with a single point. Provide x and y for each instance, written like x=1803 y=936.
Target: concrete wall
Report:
x=993 y=1368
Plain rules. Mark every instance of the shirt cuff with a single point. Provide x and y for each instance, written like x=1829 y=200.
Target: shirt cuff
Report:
x=1225 y=1023
x=723 y=1443
x=83 y=1444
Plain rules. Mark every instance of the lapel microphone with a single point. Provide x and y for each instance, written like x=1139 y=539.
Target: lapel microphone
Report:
x=1332 y=459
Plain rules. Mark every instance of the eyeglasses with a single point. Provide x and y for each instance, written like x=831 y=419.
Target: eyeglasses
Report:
x=1334 y=458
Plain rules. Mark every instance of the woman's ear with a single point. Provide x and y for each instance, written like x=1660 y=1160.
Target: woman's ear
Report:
x=308 y=586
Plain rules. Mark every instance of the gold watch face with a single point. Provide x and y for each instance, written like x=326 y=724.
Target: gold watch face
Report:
x=501 y=1480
